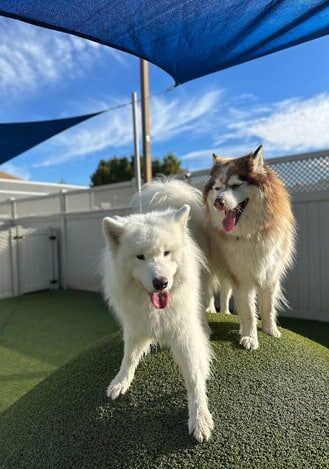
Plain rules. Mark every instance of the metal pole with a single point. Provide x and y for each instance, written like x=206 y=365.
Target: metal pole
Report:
x=146 y=120
x=64 y=259
x=137 y=163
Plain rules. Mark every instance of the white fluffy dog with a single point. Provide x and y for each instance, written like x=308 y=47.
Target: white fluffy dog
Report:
x=152 y=280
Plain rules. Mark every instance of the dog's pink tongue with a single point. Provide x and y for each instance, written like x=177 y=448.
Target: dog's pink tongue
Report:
x=229 y=221
x=159 y=299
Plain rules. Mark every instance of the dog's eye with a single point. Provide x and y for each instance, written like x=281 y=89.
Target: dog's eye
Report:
x=141 y=257
x=235 y=186
x=216 y=188
x=166 y=253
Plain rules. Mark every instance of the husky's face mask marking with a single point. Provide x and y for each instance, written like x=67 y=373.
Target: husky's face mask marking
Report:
x=230 y=198
x=233 y=185
x=147 y=252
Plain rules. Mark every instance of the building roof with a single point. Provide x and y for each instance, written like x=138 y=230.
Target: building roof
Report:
x=4 y=175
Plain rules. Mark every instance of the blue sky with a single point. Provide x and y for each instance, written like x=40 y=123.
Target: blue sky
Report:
x=281 y=101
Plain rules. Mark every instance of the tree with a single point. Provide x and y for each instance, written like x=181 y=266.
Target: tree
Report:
x=122 y=169
x=113 y=170
x=170 y=165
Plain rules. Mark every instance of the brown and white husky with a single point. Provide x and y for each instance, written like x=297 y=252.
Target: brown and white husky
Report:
x=246 y=229
x=252 y=235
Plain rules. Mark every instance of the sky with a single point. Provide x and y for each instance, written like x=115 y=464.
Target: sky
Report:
x=280 y=101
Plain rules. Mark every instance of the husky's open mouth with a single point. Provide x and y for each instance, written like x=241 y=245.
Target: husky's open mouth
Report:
x=159 y=299
x=233 y=216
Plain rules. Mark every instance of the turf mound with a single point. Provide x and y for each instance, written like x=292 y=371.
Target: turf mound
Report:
x=270 y=409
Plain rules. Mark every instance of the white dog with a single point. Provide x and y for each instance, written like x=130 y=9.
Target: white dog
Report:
x=152 y=279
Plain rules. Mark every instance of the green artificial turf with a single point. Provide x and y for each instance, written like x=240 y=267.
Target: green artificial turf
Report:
x=41 y=332
x=270 y=409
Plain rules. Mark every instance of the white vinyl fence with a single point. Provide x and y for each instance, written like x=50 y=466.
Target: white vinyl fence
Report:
x=29 y=260
x=76 y=218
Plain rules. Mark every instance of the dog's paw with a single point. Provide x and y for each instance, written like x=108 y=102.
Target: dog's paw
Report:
x=272 y=330
x=211 y=310
x=249 y=343
x=201 y=425
x=118 y=387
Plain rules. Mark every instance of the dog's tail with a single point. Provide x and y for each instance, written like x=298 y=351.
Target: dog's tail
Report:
x=160 y=195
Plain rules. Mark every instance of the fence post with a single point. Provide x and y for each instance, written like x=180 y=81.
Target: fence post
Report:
x=13 y=208
x=63 y=244
x=14 y=260
x=91 y=199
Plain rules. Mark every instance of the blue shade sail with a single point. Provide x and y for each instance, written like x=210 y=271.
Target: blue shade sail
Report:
x=18 y=137
x=186 y=38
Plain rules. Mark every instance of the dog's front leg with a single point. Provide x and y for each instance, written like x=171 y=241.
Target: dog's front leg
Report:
x=134 y=349
x=225 y=295
x=211 y=307
x=268 y=298
x=193 y=358
x=245 y=299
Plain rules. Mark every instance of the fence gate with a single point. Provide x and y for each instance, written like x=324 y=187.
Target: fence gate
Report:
x=34 y=259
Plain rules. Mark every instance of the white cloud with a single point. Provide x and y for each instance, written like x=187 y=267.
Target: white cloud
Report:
x=30 y=56
x=293 y=125
x=193 y=155
x=113 y=130
x=204 y=156
x=178 y=116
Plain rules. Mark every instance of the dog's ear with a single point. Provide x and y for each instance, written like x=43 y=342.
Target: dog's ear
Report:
x=257 y=157
x=182 y=214
x=217 y=160
x=113 y=229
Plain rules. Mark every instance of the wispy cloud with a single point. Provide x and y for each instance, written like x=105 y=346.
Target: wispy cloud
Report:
x=200 y=159
x=104 y=132
x=284 y=127
x=288 y=126
x=293 y=125
x=170 y=117
x=192 y=155
x=31 y=56
x=179 y=116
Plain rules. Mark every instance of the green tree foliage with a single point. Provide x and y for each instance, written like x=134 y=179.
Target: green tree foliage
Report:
x=113 y=170
x=170 y=165
x=119 y=169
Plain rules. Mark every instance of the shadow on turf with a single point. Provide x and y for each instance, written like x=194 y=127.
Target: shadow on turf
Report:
x=161 y=429
x=226 y=332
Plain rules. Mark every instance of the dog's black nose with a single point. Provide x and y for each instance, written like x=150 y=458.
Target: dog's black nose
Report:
x=160 y=283
x=219 y=203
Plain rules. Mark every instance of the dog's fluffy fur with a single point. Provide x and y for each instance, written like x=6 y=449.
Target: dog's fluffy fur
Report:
x=252 y=231
x=161 y=195
x=245 y=228
x=140 y=249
